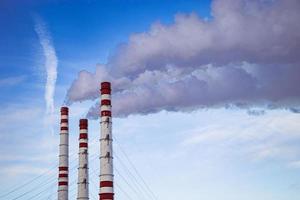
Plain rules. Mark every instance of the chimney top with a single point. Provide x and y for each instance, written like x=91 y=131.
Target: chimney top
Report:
x=83 y=123
x=105 y=85
x=64 y=110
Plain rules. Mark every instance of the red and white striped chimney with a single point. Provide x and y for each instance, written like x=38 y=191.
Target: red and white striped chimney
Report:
x=106 y=151
x=63 y=167
x=83 y=183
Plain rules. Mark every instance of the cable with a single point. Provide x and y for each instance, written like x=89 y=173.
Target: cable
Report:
x=71 y=188
x=34 y=196
x=136 y=182
x=120 y=188
x=133 y=189
x=30 y=181
x=92 y=194
x=51 y=180
x=54 y=166
x=52 y=169
x=136 y=171
x=48 y=181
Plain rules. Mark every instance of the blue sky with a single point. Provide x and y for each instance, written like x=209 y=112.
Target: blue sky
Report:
x=235 y=142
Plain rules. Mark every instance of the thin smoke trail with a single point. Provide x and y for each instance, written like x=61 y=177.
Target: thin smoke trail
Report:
x=50 y=66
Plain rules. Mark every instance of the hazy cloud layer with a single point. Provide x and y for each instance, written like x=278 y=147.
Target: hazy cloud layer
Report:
x=247 y=54
x=12 y=81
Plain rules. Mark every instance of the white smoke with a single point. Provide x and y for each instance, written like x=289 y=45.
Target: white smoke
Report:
x=50 y=65
x=247 y=54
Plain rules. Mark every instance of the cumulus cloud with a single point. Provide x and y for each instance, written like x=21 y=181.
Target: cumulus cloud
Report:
x=246 y=54
x=50 y=64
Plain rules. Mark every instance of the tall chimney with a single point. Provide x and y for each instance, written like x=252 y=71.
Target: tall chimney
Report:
x=106 y=151
x=63 y=167
x=83 y=183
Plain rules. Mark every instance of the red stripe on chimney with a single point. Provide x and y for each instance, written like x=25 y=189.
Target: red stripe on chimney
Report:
x=64 y=121
x=63 y=175
x=83 y=136
x=105 y=102
x=83 y=144
x=105 y=91
x=106 y=184
x=108 y=196
x=106 y=113
x=63 y=183
x=63 y=168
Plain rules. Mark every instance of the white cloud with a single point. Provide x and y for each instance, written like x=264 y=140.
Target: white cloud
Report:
x=247 y=54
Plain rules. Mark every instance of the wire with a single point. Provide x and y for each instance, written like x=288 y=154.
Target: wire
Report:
x=122 y=190
x=28 y=182
x=136 y=182
x=71 y=188
x=51 y=180
x=54 y=166
x=92 y=180
x=49 y=171
x=132 y=188
x=136 y=171
x=36 y=195
x=146 y=189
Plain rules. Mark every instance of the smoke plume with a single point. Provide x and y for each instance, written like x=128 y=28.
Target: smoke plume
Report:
x=247 y=54
x=50 y=64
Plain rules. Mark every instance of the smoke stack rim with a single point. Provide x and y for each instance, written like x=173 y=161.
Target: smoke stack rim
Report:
x=64 y=110
x=105 y=88
x=105 y=84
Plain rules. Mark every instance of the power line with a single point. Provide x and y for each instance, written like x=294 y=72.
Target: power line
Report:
x=49 y=171
x=136 y=182
x=28 y=182
x=132 y=188
x=135 y=169
x=41 y=192
x=92 y=180
x=51 y=180
x=23 y=194
x=121 y=189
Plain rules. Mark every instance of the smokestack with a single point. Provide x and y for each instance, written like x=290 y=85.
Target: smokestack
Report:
x=106 y=151
x=63 y=167
x=83 y=183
